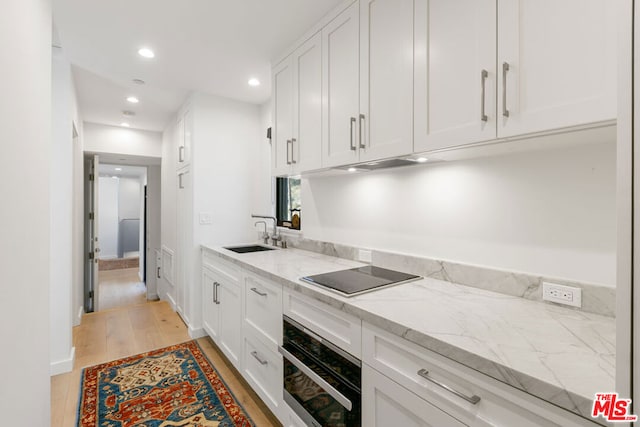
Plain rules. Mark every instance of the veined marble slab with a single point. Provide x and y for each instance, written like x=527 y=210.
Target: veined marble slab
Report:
x=560 y=355
x=595 y=298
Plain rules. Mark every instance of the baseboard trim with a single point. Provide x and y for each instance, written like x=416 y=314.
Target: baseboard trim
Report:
x=171 y=301
x=78 y=318
x=197 y=333
x=153 y=297
x=65 y=365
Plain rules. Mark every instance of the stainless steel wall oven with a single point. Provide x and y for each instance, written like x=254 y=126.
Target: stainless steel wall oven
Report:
x=321 y=381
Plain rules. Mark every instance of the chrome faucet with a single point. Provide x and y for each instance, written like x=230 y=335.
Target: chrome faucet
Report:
x=265 y=235
x=275 y=238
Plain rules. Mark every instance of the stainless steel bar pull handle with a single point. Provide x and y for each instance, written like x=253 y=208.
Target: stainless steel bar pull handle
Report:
x=361 y=132
x=505 y=69
x=158 y=273
x=425 y=374
x=352 y=122
x=180 y=181
x=483 y=82
x=215 y=292
x=288 y=142
x=255 y=355
x=262 y=294
x=181 y=153
x=293 y=157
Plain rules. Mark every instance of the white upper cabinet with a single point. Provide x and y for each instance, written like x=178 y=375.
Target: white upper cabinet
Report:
x=368 y=82
x=282 y=117
x=184 y=138
x=306 y=144
x=340 y=63
x=560 y=61
x=386 y=79
x=455 y=72
x=297 y=107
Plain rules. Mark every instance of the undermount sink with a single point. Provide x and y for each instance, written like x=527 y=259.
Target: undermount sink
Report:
x=248 y=249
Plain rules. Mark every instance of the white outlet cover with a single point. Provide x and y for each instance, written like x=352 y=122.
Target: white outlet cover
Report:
x=364 y=255
x=562 y=294
x=206 y=218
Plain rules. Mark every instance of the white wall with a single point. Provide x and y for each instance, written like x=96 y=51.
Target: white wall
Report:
x=25 y=132
x=112 y=139
x=108 y=217
x=262 y=184
x=129 y=193
x=551 y=213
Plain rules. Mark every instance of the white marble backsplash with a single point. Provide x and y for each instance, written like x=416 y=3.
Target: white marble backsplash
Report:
x=595 y=298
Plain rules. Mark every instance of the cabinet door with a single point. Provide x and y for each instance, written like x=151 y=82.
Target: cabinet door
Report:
x=454 y=97
x=180 y=143
x=385 y=403
x=187 y=137
x=385 y=122
x=561 y=58
x=183 y=230
x=307 y=106
x=282 y=117
x=340 y=86
x=229 y=297
x=210 y=312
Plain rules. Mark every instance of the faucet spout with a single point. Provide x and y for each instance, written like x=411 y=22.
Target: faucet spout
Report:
x=275 y=223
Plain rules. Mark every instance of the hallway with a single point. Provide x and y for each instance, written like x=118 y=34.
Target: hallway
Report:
x=120 y=288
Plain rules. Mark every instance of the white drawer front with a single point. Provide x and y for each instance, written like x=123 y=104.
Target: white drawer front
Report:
x=228 y=270
x=341 y=329
x=263 y=309
x=401 y=361
x=263 y=370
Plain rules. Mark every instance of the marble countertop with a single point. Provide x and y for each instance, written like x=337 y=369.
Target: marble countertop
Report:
x=560 y=355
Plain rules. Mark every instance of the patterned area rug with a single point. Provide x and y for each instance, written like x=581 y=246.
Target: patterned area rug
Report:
x=171 y=387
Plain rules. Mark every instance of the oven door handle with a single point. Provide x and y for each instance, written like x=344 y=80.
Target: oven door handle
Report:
x=317 y=379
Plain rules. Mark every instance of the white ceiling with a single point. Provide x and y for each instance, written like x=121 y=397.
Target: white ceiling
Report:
x=213 y=46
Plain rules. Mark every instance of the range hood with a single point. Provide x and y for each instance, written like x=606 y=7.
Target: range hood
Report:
x=384 y=164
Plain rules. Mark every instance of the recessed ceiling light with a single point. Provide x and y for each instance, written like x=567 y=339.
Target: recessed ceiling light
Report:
x=145 y=52
x=421 y=159
x=118 y=169
x=138 y=81
x=254 y=82
x=114 y=177
x=133 y=100
x=124 y=124
x=352 y=170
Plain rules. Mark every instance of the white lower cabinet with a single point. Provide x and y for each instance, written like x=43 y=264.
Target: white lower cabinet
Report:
x=263 y=371
x=385 y=403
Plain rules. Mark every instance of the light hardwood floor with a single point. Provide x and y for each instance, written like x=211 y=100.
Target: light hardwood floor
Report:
x=120 y=288
x=117 y=333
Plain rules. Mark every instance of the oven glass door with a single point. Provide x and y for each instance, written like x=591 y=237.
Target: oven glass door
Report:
x=317 y=395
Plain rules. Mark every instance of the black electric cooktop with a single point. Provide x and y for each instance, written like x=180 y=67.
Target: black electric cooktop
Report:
x=356 y=281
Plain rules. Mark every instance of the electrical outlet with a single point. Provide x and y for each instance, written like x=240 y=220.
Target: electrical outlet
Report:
x=562 y=294
x=206 y=218
x=364 y=255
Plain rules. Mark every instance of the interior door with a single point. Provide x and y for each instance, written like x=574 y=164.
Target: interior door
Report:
x=92 y=247
x=385 y=122
x=183 y=228
x=340 y=87
x=455 y=73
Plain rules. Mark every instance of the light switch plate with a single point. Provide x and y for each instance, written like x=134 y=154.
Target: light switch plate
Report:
x=206 y=218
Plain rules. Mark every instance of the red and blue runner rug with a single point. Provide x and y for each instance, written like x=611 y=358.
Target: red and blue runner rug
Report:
x=174 y=386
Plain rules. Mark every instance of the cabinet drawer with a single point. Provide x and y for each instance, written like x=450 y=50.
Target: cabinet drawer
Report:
x=499 y=404
x=263 y=309
x=341 y=329
x=226 y=269
x=263 y=370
